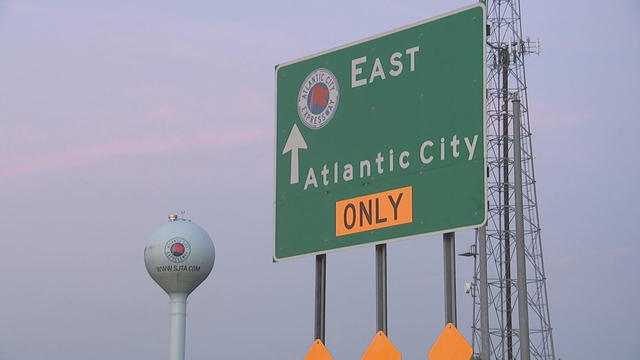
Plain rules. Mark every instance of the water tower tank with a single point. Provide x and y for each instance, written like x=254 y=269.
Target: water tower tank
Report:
x=179 y=256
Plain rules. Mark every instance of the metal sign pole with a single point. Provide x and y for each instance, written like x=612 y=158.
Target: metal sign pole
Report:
x=523 y=306
x=449 y=249
x=381 y=287
x=321 y=286
x=484 y=294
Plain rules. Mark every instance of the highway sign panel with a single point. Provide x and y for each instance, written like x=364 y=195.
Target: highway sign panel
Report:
x=382 y=139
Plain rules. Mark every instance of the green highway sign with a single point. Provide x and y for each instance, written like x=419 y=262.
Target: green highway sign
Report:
x=382 y=139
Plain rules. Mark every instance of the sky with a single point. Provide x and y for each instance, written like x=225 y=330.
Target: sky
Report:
x=115 y=114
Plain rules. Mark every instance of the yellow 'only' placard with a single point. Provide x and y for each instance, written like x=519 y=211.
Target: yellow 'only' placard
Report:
x=375 y=211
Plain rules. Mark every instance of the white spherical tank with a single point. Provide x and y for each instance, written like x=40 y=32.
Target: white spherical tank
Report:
x=179 y=256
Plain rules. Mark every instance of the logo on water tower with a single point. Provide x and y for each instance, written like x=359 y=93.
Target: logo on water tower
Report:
x=318 y=98
x=177 y=249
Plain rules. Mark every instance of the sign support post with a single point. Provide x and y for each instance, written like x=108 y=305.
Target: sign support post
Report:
x=449 y=249
x=321 y=286
x=381 y=288
x=484 y=294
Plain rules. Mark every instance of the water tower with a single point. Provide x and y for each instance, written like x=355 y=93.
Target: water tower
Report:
x=179 y=256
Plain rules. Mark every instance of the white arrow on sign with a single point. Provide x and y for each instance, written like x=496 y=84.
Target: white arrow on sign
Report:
x=294 y=143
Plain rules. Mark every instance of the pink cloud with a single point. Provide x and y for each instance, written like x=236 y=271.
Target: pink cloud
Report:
x=29 y=134
x=546 y=116
x=163 y=112
x=80 y=156
x=28 y=7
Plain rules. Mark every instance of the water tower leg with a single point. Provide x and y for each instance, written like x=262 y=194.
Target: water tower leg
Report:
x=178 y=323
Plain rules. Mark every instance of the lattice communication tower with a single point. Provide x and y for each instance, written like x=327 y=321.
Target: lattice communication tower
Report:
x=506 y=85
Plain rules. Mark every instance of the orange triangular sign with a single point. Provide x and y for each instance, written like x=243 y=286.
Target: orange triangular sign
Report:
x=318 y=352
x=450 y=345
x=381 y=348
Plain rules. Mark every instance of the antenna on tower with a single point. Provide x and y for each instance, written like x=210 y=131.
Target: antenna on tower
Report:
x=530 y=47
